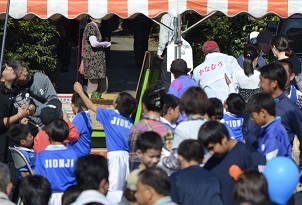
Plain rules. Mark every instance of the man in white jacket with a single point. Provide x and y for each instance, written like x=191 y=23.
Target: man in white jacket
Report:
x=215 y=74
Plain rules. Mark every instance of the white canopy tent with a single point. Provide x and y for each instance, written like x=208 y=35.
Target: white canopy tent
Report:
x=71 y=9
x=151 y=8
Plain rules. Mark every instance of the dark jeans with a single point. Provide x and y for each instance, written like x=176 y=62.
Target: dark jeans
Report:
x=165 y=75
x=141 y=32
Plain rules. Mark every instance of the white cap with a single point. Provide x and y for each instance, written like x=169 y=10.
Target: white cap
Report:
x=252 y=38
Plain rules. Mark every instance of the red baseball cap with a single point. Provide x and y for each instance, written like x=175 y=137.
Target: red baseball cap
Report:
x=209 y=46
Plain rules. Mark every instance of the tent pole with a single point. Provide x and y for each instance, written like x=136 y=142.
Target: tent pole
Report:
x=161 y=24
x=178 y=42
x=199 y=22
x=4 y=34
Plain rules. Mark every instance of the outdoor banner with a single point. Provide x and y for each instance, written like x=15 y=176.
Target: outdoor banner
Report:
x=104 y=103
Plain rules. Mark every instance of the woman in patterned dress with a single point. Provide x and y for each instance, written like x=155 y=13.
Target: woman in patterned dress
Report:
x=94 y=57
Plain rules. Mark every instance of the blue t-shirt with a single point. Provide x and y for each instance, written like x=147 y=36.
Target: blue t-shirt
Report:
x=230 y=131
x=180 y=85
x=57 y=164
x=116 y=127
x=31 y=158
x=235 y=122
x=273 y=140
x=83 y=124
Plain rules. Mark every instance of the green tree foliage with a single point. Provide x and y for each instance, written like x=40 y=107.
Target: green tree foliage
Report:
x=33 y=43
x=229 y=32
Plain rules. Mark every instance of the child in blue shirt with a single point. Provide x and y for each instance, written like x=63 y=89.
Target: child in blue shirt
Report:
x=215 y=112
x=117 y=124
x=273 y=139
x=83 y=124
x=234 y=106
x=21 y=136
x=194 y=184
x=56 y=162
x=182 y=82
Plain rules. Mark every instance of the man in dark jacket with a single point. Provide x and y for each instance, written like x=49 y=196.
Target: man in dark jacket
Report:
x=272 y=80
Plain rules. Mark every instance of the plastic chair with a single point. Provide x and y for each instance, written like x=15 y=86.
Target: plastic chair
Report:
x=20 y=161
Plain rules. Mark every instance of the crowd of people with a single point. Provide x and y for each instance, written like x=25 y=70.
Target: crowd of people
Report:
x=213 y=136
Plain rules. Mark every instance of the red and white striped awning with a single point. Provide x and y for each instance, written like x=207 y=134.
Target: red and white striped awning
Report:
x=152 y=8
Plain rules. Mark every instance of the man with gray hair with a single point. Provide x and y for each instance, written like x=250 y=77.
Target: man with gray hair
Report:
x=5 y=185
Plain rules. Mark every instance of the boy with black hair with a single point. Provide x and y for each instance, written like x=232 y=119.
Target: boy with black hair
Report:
x=182 y=80
x=57 y=162
x=53 y=111
x=194 y=184
x=153 y=187
x=35 y=190
x=215 y=112
x=170 y=111
x=149 y=146
x=273 y=140
x=226 y=153
x=92 y=175
x=273 y=78
x=117 y=124
x=21 y=136
x=234 y=106
x=153 y=102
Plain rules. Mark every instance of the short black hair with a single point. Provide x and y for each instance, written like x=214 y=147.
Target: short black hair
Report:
x=171 y=101
x=191 y=149
x=35 y=189
x=18 y=132
x=126 y=104
x=57 y=130
x=260 y=101
x=157 y=179
x=78 y=102
x=274 y=71
x=212 y=132
x=194 y=101
x=179 y=67
x=235 y=103
x=289 y=65
x=71 y=194
x=149 y=140
x=90 y=171
x=153 y=98
x=216 y=108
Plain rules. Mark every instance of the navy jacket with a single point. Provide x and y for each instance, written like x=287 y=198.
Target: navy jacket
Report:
x=195 y=185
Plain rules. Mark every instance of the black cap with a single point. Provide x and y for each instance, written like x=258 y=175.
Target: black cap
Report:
x=52 y=111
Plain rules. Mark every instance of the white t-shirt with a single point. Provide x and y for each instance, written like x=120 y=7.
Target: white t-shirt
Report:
x=246 y=82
